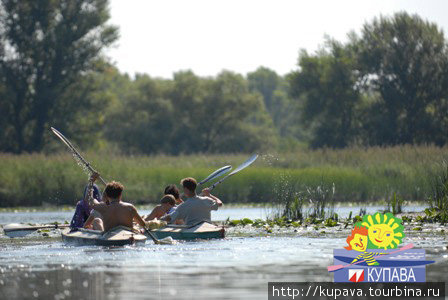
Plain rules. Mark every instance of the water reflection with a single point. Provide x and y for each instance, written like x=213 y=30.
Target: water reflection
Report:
x=233 y=268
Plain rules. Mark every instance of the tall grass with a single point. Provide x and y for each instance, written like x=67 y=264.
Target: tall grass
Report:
x=358 y=174
x=439 y=194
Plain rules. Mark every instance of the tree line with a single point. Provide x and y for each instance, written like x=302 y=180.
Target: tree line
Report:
x=387 y=85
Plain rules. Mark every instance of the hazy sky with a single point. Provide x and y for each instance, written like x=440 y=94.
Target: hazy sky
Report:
x=165 y=36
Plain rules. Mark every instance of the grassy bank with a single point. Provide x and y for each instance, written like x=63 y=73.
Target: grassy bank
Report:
x=359 y=175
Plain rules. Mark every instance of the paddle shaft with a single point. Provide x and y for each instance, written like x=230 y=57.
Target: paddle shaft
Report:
x=156 y=241
x=338 y=267
x=34 y=228
x=219 y=182
x=75 y=152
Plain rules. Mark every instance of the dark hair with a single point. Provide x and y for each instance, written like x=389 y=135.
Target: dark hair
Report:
x=168 y=199
x=172 y=190
x=189 y=183
x=113 y=190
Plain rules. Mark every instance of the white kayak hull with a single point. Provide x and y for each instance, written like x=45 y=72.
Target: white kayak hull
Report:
x=118 y=236
x=203 y=230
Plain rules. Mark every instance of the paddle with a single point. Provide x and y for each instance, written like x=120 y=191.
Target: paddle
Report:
x=92 y=170
x=20 y=230
x=76 y=153
x=216 y=174
x=240 y=167
x=338 y=267
x=165 y=241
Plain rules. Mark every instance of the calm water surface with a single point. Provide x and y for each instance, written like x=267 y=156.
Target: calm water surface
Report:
x=220 y=215
x=232 y=268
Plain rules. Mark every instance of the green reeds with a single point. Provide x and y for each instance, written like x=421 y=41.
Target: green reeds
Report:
x=359 y=175
x=438 y=198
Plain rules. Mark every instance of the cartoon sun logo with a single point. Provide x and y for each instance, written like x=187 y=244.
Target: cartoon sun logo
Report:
x=385 y=231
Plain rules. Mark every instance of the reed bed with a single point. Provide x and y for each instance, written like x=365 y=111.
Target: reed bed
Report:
x=358 y=174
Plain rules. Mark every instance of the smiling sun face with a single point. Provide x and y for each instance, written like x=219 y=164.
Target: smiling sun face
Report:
x=385 y=231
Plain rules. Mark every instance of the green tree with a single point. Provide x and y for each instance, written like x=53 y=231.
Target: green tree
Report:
x=404 y=60
x=325 y=86
x=47 y=48
x=265 y=81
x=190 y=114
x=233 y=119
x=142 y=119
x=281 y=107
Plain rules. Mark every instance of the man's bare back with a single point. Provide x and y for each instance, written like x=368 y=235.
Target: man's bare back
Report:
x=115 y=213
x=118 y=213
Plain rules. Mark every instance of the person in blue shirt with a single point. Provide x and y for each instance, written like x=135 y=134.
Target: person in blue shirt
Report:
x=83 y=209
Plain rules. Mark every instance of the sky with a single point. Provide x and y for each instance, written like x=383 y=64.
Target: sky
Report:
x=162 y=37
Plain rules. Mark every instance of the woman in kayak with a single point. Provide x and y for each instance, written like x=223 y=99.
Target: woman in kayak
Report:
x=173 y=190
x=83 y=209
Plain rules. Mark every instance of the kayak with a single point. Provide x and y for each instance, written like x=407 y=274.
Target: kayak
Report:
x=21 y=230
x=388 y=262
x=117 y=236
x=202 y=230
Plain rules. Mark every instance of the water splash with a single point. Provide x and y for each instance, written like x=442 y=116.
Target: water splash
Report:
x=269 y=159
x=81 y=164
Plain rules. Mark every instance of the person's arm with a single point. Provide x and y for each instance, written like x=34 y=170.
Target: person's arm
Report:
x=152 y=215
x=176 y=214
x=166 y=218
x=137 y=217
x=89 y=221
x=93 y=203
x=206 y=192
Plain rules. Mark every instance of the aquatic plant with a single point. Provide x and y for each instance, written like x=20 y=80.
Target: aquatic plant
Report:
x=394 y=203
x=438 y=199
x=321 y=199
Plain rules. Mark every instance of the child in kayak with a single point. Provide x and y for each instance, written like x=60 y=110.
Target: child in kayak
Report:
x=173 y=190
x=166 y=204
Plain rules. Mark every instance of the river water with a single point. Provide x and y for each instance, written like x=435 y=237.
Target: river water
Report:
x=232 y=268
x=222 y=214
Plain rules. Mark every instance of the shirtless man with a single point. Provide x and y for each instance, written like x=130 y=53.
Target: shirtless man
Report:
x=166 y=204
x=115 y=213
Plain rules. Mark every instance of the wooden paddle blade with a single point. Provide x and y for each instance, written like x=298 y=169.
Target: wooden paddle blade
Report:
x=334 y=268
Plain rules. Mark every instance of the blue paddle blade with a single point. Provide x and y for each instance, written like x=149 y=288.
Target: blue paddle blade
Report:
x=216 y=174
x=245 y=164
